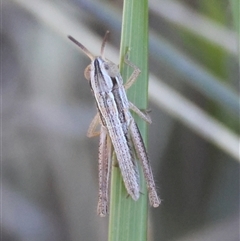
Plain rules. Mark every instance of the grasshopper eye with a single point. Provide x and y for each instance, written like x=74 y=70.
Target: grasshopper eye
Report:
x=87 y=72
x=111 y=68
x=106 y=66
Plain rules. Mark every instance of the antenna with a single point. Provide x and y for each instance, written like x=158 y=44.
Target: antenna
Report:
x=84 y=49
x=104 y=42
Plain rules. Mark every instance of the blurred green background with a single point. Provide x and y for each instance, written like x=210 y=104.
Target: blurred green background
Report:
x=49 y=177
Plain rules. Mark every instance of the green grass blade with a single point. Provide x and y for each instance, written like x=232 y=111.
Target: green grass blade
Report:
x=128 y=219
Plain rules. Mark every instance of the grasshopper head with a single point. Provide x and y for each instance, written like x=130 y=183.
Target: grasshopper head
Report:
x=89 y=54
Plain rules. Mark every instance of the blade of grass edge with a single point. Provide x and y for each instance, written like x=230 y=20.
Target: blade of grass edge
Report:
x=128 y=219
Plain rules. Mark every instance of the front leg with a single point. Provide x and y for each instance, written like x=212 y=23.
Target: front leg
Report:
x=129 y=83
x=134 y=75
x=92 y=128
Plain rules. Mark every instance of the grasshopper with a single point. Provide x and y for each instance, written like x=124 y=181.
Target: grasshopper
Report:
x=118 y=131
